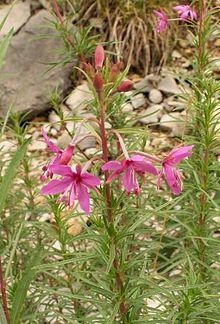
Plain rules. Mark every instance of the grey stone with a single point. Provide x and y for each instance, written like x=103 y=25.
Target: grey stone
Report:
x=54 y=119
x=127 y=107
x=37 y=145
x=149 y=82
x=155 y=96
x=138 y=101
x=79 y=98
x=176 y=54
x=17 y=17
x=169 y=85
x=152 y=115
x=27 y=85
x=63 y=140
x=174 y=123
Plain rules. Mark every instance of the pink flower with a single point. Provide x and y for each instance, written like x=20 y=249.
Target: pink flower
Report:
x=99 y=57
x=186 y=12
x=162 y=21
x=73 y=185
x=62 y=157
x=129 y=167
x=171 y=173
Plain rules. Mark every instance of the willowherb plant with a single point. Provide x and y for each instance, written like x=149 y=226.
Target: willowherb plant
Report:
x=113 y=229
x=139 y=254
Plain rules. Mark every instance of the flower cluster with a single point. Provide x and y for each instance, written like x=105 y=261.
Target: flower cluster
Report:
x=185 y=12
x=74 y=184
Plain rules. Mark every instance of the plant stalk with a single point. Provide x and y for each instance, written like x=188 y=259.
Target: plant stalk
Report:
x=3 y=294
x=118 y=275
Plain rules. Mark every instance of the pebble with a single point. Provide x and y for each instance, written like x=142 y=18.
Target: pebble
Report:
x=79 y=98
x=169 y=85
x=127 y=107
x=173 y=123
x=152 y=114
x=138 y=101
x=155 y=96
x=54 y=119
x=37 y=146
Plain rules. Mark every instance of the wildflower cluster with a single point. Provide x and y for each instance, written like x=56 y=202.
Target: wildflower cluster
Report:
x=75 y=183
x=185 y=13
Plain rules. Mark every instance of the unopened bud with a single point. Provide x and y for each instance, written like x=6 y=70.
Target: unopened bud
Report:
x=125 y=86
x=98 y=83
x=67 y=155
x=99 y=57
x=89 y=69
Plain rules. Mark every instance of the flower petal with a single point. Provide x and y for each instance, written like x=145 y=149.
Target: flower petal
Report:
x=111 y=166
x=62 y=170
x=171 y=179
x=145 y=167
x=176 y=155
x=83 y=197
x=56 y=186
x=51 y=146
x=90 y=180
x=67 y=155
x=129 y=180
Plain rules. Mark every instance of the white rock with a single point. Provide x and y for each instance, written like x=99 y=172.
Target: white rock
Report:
x=79 y=98
x=54 y=119
x=37 y=146
x=169 y=85
x=17 y=17
x=64 y=140
x=174 y=123
x=155 y=96
x=176 y=54
x=138 y=101
x=127 y=107
x=152 y=114
x=6 y=146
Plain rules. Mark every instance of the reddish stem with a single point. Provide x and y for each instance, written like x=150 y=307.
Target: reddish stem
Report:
x=61 y=21
x=116 y=265
x=3 y=293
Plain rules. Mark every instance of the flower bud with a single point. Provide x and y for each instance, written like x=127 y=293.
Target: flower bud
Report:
x=98 y=83
x=89 y=69
x=125 y=86
x=99 y=57
x=67 y=155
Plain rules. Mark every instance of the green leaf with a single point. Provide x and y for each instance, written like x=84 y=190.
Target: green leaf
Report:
x=10 y=173
x=23 y=286
x=111 y=258
x=4 y=43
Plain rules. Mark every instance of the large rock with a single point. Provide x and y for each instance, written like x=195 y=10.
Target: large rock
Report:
x=26 y=83
x=17 y=17
x=169 y=85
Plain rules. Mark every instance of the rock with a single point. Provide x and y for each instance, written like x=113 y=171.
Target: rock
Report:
x=138 y=101
x=63 y=140
x=155 y=96
x=17 y=17
x=37 y=146
x=143 y=85
x=172 y=104
x=152 y=114
x=27 y=84
x=176 y=54
x=6 y=146
x=174 y=123
x=88 y=142
x=54 y=119
x=169 y=85
x=127 y=107
x=79 y=98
